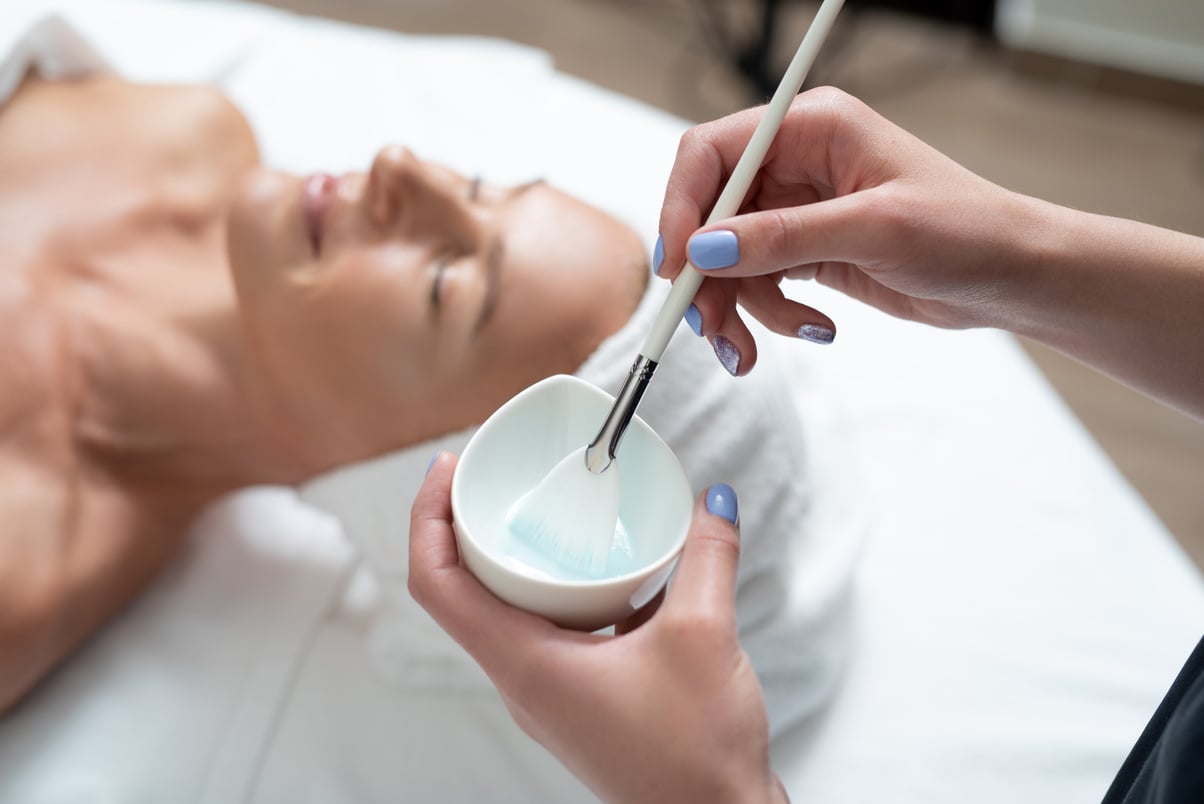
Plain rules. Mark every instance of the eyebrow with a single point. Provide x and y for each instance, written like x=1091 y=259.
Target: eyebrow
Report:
x=494 y=255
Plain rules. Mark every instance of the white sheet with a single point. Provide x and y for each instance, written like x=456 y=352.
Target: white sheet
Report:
x=1018 y=614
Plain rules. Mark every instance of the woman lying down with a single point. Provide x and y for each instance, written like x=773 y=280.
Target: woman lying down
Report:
x=178 y=322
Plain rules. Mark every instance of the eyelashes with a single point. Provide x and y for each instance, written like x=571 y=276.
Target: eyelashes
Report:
x=445 y=261
x=454 y=252
x=437 y=281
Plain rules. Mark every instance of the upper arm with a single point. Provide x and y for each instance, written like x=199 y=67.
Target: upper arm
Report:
x=34 y=510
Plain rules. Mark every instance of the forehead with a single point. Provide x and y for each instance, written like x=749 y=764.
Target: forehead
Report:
x=565 y=265
x=543 y=226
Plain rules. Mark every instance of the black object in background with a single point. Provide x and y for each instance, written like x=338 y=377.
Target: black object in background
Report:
x=753 y=60
x=978 y=14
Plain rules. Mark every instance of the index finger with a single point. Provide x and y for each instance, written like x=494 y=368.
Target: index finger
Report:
x=705 y=158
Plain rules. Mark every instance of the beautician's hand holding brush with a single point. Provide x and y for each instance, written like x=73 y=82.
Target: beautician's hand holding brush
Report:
x=571 y=515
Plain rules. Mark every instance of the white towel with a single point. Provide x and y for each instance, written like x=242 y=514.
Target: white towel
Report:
x=46 y=46
x=372 y=500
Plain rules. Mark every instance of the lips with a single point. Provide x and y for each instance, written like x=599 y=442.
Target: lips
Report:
x=317 y=194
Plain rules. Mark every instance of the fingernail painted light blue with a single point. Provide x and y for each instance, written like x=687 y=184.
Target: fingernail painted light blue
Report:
x=816 y=333
x=658 y=255
x=434 y=458
x=721 y=501
x=694 y=319
x=728 y=354
x=711 y=250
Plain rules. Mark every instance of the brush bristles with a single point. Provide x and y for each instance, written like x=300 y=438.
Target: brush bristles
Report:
x=555 y=539
x=570 y=516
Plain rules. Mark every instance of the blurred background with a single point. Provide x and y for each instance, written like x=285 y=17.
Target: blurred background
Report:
x=1096 y=104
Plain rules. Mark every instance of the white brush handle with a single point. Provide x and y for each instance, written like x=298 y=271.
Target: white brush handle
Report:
x=687 y=282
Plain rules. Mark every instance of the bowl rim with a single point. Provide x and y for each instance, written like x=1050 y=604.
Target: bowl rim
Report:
x=641 y=573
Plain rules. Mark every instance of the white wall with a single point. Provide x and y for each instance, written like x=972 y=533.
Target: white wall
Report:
x=1159 y=37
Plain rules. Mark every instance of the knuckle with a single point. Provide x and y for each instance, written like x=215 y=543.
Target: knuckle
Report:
x=417 y=588
x=836 y=101
x=782 y=235
x=424 y=566
x=710 y=140
x=827 y=95
x=831 y=110
x=688 y=628
x=393 y=154
x=694 y=138
x=695 y=634
x=718 y=542
x=886 y=213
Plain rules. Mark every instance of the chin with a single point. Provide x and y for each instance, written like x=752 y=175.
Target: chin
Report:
x=265 y=230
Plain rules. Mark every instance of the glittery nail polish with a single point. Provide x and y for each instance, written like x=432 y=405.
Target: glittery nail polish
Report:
x=816 y=333
x=728 y=354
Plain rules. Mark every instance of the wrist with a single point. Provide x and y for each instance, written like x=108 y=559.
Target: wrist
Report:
x=1037 y=274
x=1072 y=273
x=1027 y=258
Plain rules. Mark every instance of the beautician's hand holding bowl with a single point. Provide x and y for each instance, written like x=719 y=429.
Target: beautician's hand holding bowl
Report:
x=667 y=709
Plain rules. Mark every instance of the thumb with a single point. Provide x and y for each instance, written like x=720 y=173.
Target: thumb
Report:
x=771 y=240
x=491 y=631
x=706 y=575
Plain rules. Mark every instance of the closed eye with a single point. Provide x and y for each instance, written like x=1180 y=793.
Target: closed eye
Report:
x=437 y=281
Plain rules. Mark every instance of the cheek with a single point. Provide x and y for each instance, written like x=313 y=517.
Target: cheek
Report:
x=549 y=305
x=365 y=325
x=535 y=335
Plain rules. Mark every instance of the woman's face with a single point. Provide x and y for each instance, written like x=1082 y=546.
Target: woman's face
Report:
x=384 y=308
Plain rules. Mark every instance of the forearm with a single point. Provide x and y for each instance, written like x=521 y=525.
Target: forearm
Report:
x=1123 y=297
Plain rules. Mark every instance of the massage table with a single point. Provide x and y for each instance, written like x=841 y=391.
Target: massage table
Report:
x=1017 y=612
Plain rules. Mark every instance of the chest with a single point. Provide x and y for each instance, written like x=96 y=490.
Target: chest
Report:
x=112 y=269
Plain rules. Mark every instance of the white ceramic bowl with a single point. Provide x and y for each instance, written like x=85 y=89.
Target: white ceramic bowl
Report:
x=515 y=449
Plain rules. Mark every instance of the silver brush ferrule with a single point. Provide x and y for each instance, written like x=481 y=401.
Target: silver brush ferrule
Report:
x=620 y=416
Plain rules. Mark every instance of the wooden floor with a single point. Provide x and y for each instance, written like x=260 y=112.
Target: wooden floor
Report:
x=1064 y=132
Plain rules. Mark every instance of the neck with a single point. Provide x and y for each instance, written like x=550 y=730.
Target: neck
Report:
x=191 y=419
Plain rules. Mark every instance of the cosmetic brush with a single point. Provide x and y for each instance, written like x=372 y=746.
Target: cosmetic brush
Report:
x=571 y=515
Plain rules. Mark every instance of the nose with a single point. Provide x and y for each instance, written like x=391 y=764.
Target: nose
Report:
x=400 y=185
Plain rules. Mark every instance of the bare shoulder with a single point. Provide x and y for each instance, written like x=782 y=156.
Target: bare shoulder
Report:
x=208 y=117
x=104 y=120
x=195 y=122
